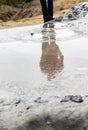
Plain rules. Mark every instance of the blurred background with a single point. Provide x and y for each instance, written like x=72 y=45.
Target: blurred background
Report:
x=30 y=10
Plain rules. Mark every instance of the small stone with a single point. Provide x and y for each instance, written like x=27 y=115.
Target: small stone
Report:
x=38 y=100
x=69 y=15
x=73 y=8
x=18 y=102
x=27 y=108
x=32 y=34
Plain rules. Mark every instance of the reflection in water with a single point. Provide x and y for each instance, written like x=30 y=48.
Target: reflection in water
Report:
x=51 y=58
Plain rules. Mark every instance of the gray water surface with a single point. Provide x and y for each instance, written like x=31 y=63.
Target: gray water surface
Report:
x=39 y=63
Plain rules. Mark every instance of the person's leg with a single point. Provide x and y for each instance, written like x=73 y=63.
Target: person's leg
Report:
x=44 y=10
x=50 y=9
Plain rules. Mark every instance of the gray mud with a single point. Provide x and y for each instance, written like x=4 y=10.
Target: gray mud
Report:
x=44 y=78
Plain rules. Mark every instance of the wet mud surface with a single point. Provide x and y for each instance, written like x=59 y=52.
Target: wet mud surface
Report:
x=59 y=121
x=43 y=78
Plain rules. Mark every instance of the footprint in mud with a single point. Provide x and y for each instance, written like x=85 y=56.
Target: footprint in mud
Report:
x=76 y=99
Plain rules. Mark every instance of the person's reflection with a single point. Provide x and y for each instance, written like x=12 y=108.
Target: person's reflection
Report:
x=51 y=59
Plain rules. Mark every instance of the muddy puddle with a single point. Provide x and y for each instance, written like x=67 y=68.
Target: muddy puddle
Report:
x=39 y=66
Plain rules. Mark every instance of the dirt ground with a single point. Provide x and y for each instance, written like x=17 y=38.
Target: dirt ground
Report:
x=31 y=14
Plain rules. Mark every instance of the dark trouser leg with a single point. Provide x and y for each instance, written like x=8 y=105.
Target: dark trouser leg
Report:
x=44 y=10
x=50 y=8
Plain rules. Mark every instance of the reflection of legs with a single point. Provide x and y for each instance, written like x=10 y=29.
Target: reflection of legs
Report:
x=44 y=10
x=51 y=58
x=50 y=9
